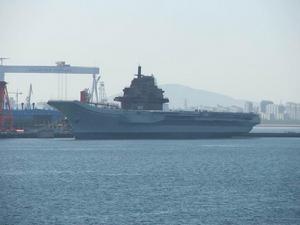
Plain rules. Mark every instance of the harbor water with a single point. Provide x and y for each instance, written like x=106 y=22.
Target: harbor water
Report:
x=216 y=181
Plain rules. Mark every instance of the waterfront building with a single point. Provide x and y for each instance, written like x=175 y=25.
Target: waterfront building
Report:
x=263 y=105
x=293 y=110
x=248 y=107
x=274 y=112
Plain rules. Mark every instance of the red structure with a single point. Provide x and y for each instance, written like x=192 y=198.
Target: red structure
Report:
x=6 y=119
x=84 y=96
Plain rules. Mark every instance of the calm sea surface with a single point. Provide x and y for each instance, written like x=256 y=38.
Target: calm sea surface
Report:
x=221 y=181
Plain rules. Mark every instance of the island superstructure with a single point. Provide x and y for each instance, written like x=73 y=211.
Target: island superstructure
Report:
x=141 y=116
x=143 y=94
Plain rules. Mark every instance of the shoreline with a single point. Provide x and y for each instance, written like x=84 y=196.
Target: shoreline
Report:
x=277 y=125
x=249 y=135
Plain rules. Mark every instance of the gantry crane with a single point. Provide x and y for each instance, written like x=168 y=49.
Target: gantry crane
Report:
x=60 y=68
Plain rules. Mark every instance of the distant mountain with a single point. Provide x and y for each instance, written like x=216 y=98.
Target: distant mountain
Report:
x=178 y=94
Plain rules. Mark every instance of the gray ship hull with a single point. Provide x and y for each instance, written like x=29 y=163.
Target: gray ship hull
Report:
x=90 y=122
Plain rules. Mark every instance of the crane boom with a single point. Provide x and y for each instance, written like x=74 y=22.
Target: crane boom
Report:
x=65 y=69
x=28 y=98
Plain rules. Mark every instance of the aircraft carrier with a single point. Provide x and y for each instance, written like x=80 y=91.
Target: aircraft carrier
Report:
x=141 y=117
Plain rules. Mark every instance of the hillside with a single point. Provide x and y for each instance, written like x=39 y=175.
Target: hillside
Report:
x=196 y=97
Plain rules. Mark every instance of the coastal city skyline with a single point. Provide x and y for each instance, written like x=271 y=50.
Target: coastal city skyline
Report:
x=19 y=95
x=267 y=109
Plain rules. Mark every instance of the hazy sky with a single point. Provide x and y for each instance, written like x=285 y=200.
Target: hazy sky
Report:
x=244 y=49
